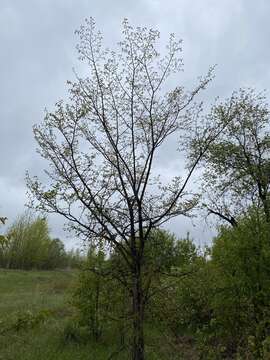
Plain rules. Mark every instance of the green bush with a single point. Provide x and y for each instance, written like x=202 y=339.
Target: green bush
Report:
x=74 y=332
x=224 y=304
x=97 y=296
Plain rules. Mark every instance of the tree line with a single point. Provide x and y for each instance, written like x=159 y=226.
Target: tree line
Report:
x=28 y=245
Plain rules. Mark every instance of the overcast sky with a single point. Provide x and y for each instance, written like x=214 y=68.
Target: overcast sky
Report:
x=38 y=53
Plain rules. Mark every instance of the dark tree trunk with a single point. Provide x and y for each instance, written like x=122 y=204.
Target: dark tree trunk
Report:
x=266 y=209
x=138 y=317
x=97 y=328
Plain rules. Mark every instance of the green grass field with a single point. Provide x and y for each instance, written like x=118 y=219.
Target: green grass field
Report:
x=25 y=295
x=34 y=312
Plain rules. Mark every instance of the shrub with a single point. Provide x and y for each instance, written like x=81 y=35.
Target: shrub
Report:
x=74 y=332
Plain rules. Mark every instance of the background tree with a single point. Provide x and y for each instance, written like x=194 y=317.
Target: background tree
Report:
x=3 y=240
x=239 y=295
x=102 y=148
x=56 y=256
x=91 y=294
x=182 y=307
x=28 y=245
x=237 y=166
x=27 y=238
x=241 y=258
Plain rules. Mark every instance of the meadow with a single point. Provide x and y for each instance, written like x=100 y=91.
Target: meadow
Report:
x=34 y=310
x=35 y=313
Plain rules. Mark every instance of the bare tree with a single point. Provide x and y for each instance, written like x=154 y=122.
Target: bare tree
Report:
x=102 y=148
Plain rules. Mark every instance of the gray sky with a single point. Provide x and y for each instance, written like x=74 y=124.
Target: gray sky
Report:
x=38 y=53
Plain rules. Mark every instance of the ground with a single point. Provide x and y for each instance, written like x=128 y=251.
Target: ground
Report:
x=35 y=311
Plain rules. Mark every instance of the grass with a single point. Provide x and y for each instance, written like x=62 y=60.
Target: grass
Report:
x=35 y=290
x=27 y=295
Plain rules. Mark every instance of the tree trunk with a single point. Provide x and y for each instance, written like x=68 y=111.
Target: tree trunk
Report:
x=138 y=318
x=97 y=329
